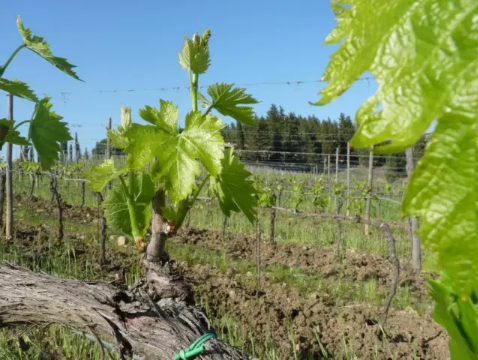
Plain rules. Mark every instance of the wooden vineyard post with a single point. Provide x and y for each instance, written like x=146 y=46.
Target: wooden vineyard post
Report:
x=258 y=255
x=328 y=176
x=32 y=185
x=337 y=165
x=339 y=228
x=369 y=193
x=273 y=224
x=57 y=196
x=416 y=248
x=3 y=182
x=348 y=180
x=83 y=185
x=108 y=149
x=9 y=214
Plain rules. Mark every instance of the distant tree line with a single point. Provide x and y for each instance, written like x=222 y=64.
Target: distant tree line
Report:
x=297 y=139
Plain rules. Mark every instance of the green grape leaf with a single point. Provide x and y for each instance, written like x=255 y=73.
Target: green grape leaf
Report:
x=194 y=56
x=14 y=137
x=7 y=134
x=443 y=192
x=143 y=142
x=99 y=176
x=166 y=117
x=424 y=57
x=177 y=151
x=5 y=128
x=177 y=154
x=116 y=205
x=228 y=100
x=453 y=318
x=18 y=88
x=117 y=139
x=42 y=48
x=432 y=43
x=233 y=188
x=47 y=132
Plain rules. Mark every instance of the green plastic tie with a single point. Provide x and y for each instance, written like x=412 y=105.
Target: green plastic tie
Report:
x=196 y=347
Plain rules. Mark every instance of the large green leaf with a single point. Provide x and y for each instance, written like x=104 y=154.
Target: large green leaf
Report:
x=116 y=206
x=233 y=188
x=421 y=53
x=42 y=48
x=424 y=56
x=18 y=88
x=47 y=132
x=228 y=100
x=14 y=137
x=99 y=176
x=195 y=55
x=143 y=142
x=444 y=193
x=117 y=139
x=5 y=128
x=463 y=343
x=176 y=152
x=7 y=134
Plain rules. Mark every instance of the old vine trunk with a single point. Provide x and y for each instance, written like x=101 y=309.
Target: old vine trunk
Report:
x=154 y=319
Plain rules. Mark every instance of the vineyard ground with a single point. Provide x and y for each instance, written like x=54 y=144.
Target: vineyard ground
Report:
x=308 y=302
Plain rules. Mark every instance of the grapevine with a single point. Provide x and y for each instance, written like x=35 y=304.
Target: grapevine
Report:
x=175 y=158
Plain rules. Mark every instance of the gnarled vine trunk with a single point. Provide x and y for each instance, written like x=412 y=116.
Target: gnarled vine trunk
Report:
x=156 y=250
x=154 y=320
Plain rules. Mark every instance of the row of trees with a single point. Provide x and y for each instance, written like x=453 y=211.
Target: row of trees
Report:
x=290 y=133
x=291 y=138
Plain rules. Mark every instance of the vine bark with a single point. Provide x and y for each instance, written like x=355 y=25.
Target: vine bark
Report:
x=154 y=319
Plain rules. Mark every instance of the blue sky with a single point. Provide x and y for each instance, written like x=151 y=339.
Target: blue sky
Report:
x=120 y=45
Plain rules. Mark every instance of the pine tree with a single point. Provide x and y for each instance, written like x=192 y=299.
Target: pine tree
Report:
x=240 y=137
x=70 y=159
x=291 y=139
x=26 y=153
x=86 y=156
x=275 y=119
x=32 y=154
x=77 y=148
x=328 y=137
x=64 y=152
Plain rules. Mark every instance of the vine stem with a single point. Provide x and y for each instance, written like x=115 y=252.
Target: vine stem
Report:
x=21 y=123
x=203 y=182
x=5 y=66
x=194 y=81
